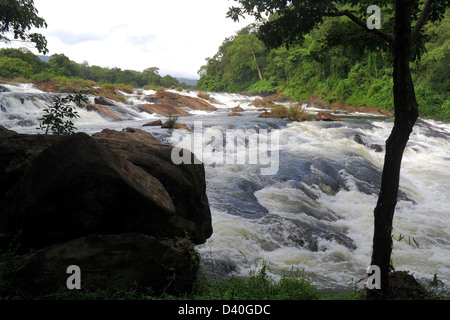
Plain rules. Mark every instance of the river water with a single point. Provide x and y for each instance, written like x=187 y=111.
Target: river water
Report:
x=314 y=212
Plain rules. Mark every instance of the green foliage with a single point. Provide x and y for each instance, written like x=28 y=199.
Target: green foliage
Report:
x=172 y=121
x=23 y=63
x=325 y=64
x=17 y=18
x=26 y=56
x=265 y=86
x=14 y=67
x=58 y=117
x=258 y=286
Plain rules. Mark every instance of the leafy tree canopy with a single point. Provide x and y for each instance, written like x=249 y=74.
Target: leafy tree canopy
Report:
x=16 y=20
x=290 y=21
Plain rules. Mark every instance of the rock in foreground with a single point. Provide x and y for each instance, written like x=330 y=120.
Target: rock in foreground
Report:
x=111 y=261
x=66 y=191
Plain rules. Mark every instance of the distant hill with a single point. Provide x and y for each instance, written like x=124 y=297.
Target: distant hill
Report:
x=44 y=58
x=189 y=82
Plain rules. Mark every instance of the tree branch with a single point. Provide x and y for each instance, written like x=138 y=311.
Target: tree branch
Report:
x=422 y=20
x=388 y=37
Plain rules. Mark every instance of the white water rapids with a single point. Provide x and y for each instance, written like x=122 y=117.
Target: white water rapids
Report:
x=315 y=214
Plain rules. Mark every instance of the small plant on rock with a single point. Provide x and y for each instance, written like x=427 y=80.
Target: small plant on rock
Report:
x=172 y=121
x=58 y=117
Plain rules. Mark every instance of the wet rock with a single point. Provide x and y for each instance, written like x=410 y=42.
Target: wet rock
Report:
x=104 y=111
x=376 y=147
x=162 y=109
x=103 y=101
x=153 y=123
x=234 y=114
x=177 y=100
x=4 y=89
x=325 y=116
x=179 y=126
x=266 y=114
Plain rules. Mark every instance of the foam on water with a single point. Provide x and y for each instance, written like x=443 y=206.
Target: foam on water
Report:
x=316 y=213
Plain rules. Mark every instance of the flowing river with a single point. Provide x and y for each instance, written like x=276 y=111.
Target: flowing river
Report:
x=314 y=212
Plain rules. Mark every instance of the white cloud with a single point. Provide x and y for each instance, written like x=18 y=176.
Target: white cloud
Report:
x=173 y=35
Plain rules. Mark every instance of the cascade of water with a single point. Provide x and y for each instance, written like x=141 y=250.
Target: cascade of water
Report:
x=315 y=213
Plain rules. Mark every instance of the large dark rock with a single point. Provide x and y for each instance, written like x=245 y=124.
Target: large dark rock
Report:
x=17 y=152
x=114 y=204
x=78 y=187
x=113 y=261
x=55 y=189
x=185 y=184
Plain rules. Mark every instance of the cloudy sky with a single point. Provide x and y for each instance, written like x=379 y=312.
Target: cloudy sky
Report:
x=174 y=35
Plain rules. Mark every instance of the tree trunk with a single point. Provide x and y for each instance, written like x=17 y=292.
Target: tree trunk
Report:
x=406 y=114
x=256 y=61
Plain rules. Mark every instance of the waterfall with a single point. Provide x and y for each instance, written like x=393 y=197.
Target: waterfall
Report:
x=315 y=213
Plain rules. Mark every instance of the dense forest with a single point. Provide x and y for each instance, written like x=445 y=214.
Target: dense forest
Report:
x=23 y=64
x=327 y=65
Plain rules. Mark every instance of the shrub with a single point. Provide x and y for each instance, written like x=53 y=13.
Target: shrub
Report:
x=54 y=116
x=280 y=111
x=172 y=121
x=203 y=95
x=297 y=113
x=259 y=286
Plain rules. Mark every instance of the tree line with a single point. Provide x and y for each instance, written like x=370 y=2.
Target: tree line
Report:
x=327 y=63
x=22 y=63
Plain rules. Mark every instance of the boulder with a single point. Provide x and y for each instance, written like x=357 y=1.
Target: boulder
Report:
x=114 y=204
x=4 y=132
x=17 y=153
x=405 y=287
x=325 y=116
x=104 y=111
x=237 y=109
x=103 y=101
x=234 y=114
x=178 y=100
x=78 y=187
x=162 y=109
x=180 y=126
x=266 y=114
x=376 y=147
x=4 y=89
x=153 y=123
x=110 y=261
x=185 y=183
